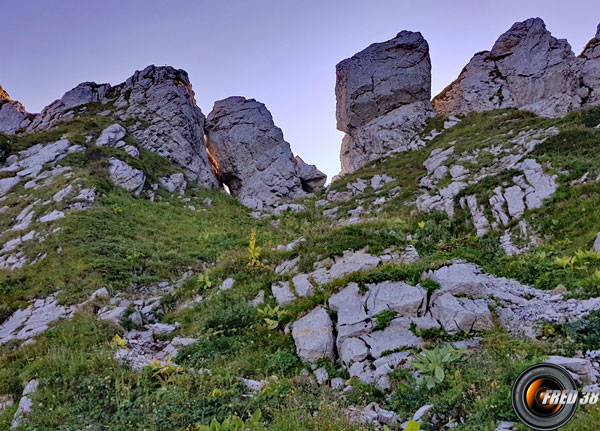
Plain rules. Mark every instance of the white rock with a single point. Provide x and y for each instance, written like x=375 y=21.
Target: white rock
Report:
x=461 y=314
x=123 y=175
x=8 y=183
x=111 y=135
x=25 y=404
x=175 y=183
x=302 y=285
x=321 y=375
x=283 y=293
x=313 y=335
x=353 y=350
x=60 y=195
x=404 y=299
x=54 y=215
x=131 y=150
x=227 y=284
x=581 y=367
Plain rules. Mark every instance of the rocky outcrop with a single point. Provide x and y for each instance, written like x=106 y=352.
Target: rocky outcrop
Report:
x=63 y=108
x=590 y=70
x=25 y=404
x=13 y=116
x=123 y=175
x=169 y=123
x=251 y=157
x=310 y=177
x=529 y=69
x=158 y=104
x=382 y=97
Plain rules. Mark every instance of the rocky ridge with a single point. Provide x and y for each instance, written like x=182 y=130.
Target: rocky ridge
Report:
x=156 y=107
x=529 y=69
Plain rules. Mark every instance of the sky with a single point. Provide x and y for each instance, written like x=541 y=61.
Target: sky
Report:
x=280 y=52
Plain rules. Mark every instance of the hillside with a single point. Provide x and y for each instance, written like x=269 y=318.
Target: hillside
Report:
x=165 y=270
x=164 y=260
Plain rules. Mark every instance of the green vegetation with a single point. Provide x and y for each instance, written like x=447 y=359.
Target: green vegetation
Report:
x=431 y=364
x=130 y=244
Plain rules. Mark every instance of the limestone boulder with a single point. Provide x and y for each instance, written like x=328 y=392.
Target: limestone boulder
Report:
x=123 y=175
x=459 y=279
x=111 y=136
x=404 y=299
x=461 y=314
x=313 y=335
x=250 y=154
x=382 y=96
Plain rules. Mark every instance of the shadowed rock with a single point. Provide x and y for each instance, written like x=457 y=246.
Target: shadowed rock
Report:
x=13 y=116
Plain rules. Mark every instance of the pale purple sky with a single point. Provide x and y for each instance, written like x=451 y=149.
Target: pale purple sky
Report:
x=280 y=52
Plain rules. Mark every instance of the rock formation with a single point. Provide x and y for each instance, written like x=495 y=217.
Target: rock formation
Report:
x=13 y=116
x=251 y=157
x=159 y=103
x=310 y=177
x=163 y=99
x=528 y=69
x=382 y=97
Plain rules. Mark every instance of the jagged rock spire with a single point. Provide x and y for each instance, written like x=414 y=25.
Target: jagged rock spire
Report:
x=527 y=68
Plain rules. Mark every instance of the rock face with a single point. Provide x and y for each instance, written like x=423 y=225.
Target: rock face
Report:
x=62 y=109
x=310 y=177
x=528 y=69
x=159 y=102
x=162 y=97
x=13 y=116
x=252 y=158
x=382 y=98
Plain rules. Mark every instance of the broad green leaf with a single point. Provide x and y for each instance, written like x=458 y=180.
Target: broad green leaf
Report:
x=413 y=426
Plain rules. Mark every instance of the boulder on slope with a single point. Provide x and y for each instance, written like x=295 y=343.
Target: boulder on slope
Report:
x=382 y=96
x=251 y=156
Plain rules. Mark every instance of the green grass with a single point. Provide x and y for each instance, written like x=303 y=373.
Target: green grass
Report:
x=125 y=243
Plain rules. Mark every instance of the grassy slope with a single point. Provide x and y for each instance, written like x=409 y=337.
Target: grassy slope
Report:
x=123 y=240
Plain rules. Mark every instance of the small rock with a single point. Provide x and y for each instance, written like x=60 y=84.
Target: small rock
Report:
x=259 y=300
x=100 y=293
x=288 y=207
x=227 y=284
x=321 y=375
x=111 y=135
x=283 y=293
x=419 y=414
x=559 y=290
x=597 y=243
x=54 y=215
x=25 y=404
x=337 y=383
